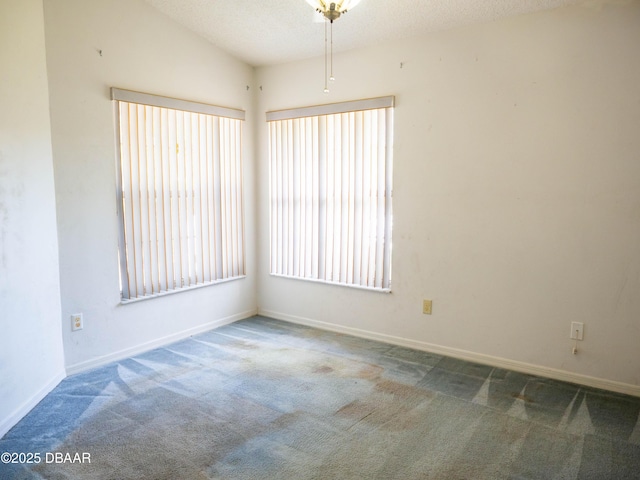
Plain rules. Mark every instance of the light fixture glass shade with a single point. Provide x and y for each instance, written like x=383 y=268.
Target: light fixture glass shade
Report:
x=333 y=10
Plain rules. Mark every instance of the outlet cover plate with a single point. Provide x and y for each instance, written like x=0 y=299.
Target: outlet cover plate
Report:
x=76 y=322
x=426 y=307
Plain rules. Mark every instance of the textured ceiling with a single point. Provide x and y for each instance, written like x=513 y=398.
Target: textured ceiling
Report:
x=262 y=32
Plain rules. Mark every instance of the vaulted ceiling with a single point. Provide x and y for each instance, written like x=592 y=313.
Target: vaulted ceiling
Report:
x=262 y=32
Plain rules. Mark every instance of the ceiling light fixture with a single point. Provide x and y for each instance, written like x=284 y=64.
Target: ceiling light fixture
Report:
x=331 y=12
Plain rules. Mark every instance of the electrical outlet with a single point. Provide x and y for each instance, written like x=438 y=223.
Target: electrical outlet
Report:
x=76 y=322
x=577 y=330
x=426 y=307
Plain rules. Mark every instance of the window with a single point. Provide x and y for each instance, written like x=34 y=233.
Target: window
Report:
x=330 y=183
x=179 y=194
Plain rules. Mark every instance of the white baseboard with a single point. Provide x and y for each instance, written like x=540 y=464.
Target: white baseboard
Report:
x=8 y=423
x=159 y=342
x=498 y=362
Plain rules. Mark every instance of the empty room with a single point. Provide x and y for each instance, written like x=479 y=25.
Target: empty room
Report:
x=320 y=240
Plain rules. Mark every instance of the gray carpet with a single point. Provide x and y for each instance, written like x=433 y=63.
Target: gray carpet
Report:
x=264 y=399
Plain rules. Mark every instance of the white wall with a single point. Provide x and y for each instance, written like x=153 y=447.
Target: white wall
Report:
x=141 y=50
x=31 y=355
x=516 y=192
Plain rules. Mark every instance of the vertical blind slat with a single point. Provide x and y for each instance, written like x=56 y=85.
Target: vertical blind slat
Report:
x=163 y=223
x=136 y=229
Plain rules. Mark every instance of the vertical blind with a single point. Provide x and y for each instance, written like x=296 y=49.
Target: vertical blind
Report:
x=330 y=184
x=180 y=194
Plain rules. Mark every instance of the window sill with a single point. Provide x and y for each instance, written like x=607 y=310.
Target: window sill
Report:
x=337 y=284
x=127 y=301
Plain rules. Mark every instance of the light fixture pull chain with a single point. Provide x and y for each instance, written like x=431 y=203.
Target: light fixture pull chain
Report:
x=331 y=78
x=326 y=87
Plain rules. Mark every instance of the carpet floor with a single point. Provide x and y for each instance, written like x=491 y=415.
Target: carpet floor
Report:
x=264 y=399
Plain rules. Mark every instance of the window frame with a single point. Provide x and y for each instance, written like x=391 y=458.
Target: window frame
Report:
x=275 y=118
x=215 y=116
